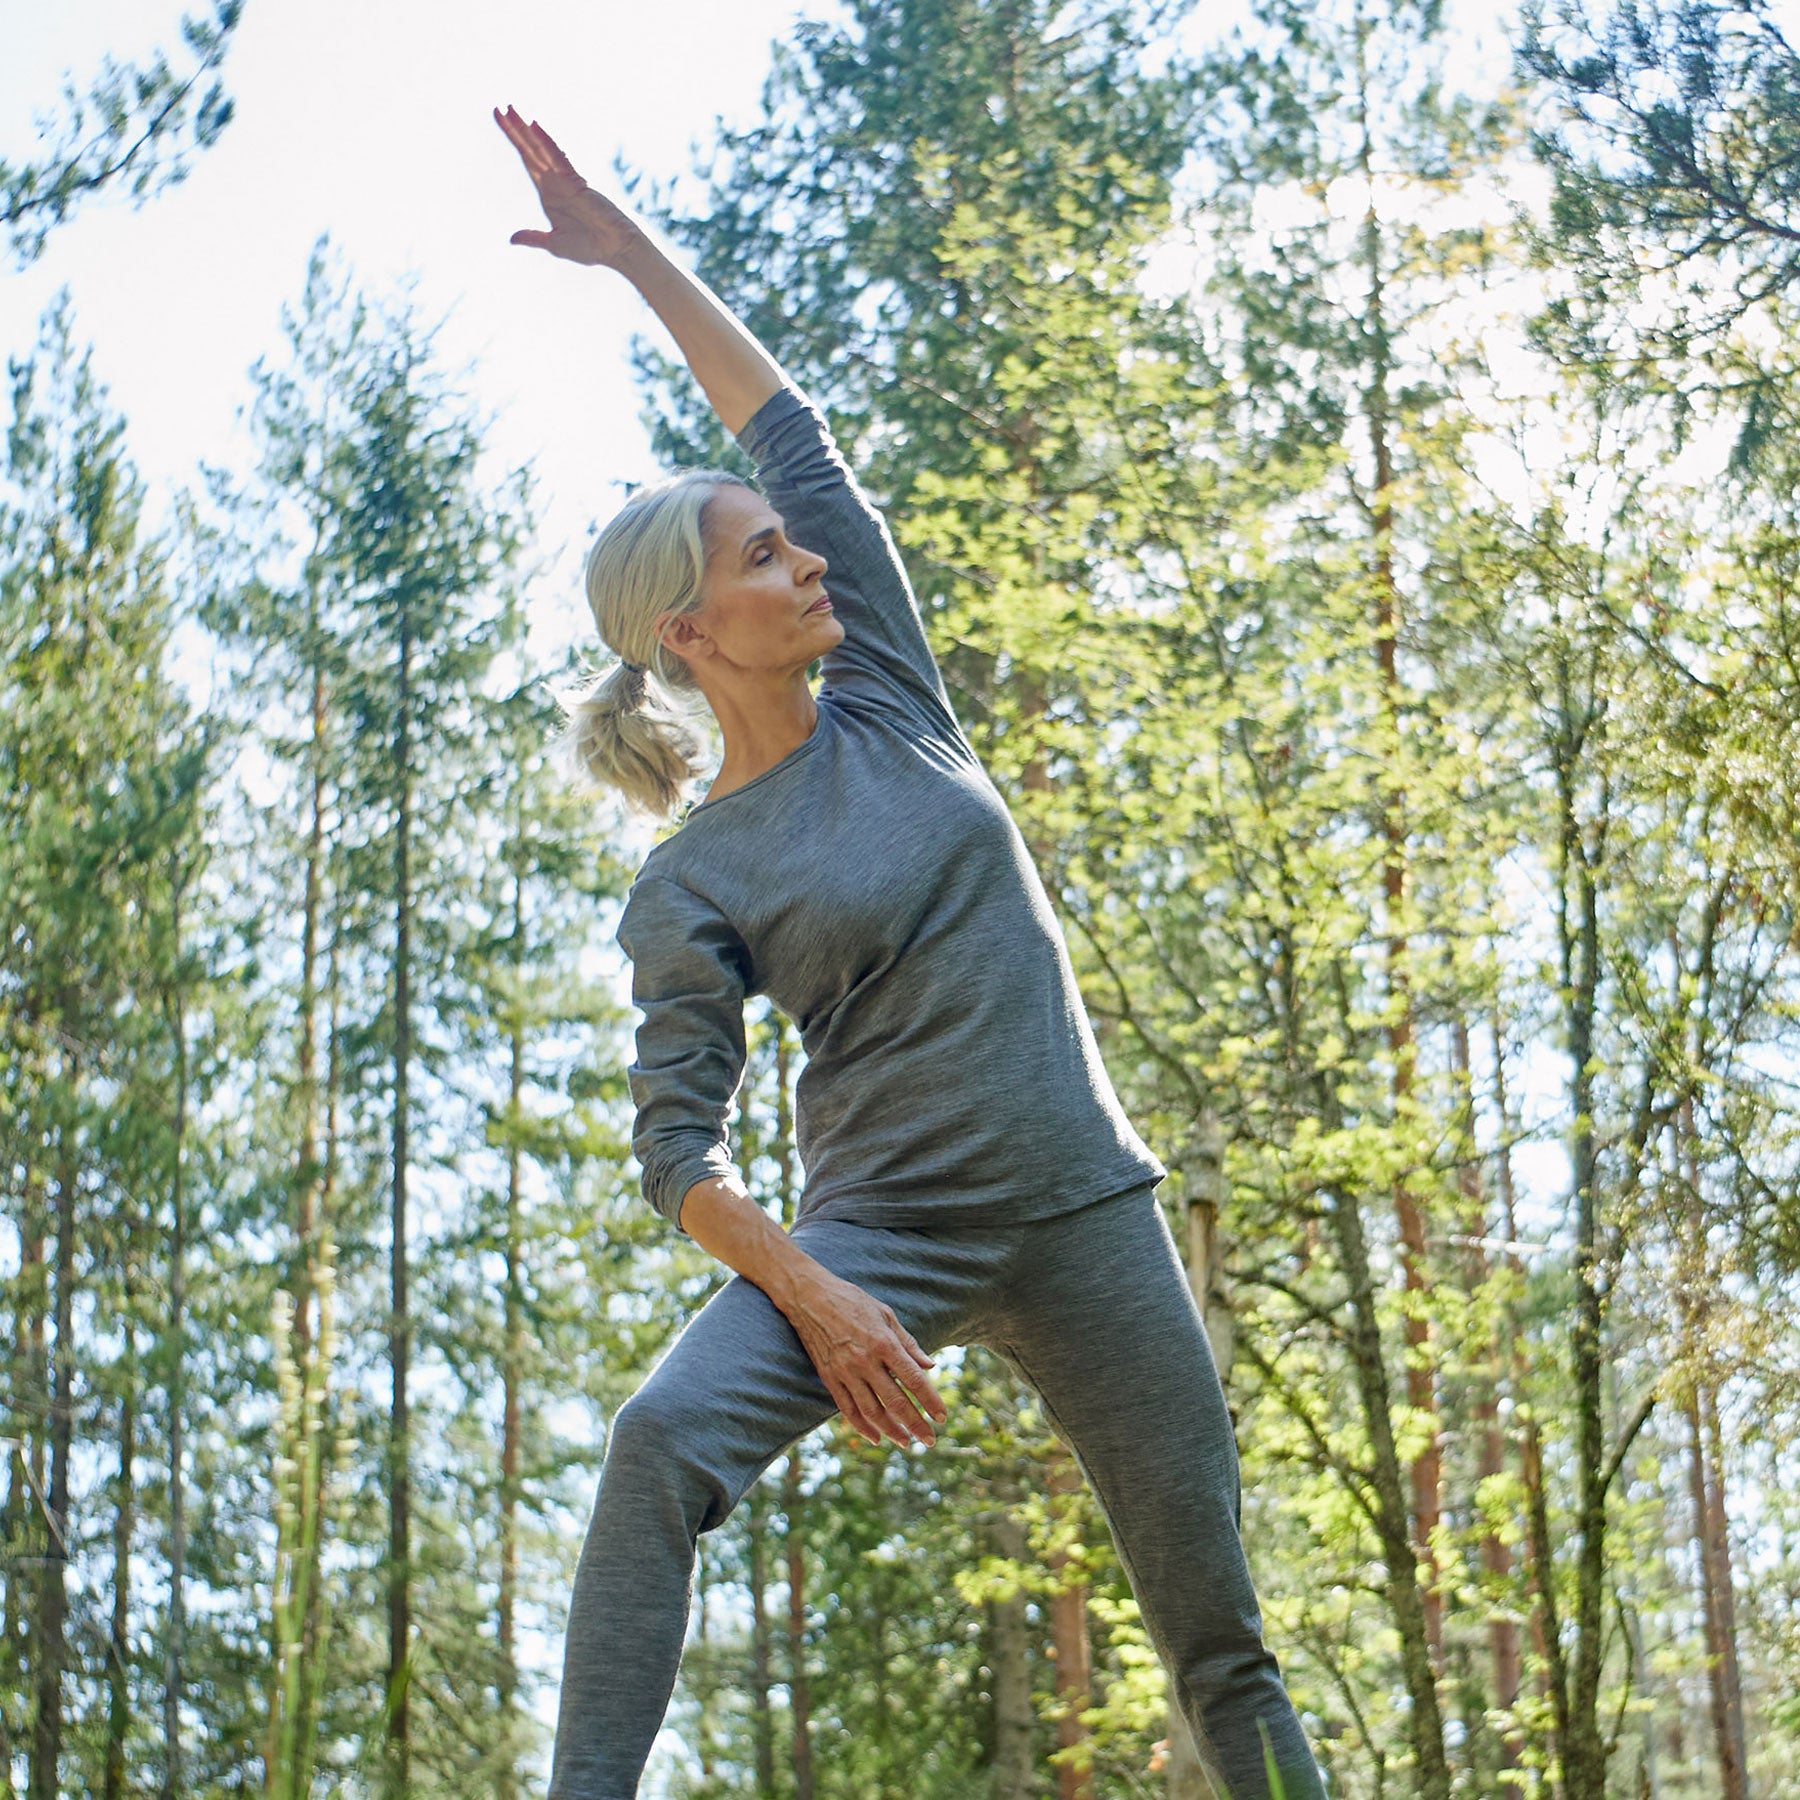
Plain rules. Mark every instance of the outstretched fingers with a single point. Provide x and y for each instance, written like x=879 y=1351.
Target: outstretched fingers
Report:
x=903 y=1404
x=896 y=1393
x=879 y=1402
x=536 y=158
x=553 y=150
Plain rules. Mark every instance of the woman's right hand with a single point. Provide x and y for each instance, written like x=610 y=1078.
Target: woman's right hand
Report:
x=585 y=227
x=869 y=1361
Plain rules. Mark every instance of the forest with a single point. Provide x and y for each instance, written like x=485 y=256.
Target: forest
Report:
x=1352 y=493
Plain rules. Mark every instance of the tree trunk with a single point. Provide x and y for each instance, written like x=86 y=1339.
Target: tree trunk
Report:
x=1009 y=1656
x=31 y=1407
x=53 y=1593
x=882 y=1722
x=1496 y=1555
x=1069 y=1646
x=1187 y=1774
x=313 y=1178
x=512 y=1374
x=323 y=1232
x=400 y=1320
x=1496 y=1561
x=1204 y=1189
x=118 y=1649
x=174 y=1644
x=799 y=1687
x=1585 y=1749
x=1546 y=1639
x=705 y=1685
x=1649 y=1776
x=309 y=1174
x=1706 y=1485
x=762 y=1677
x=1425 y=1477
x=1391 y=1511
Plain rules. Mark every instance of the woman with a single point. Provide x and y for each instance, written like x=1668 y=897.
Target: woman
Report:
x=970 y=1177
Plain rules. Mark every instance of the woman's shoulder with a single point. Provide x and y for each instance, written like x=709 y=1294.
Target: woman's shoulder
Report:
x=664 y=908
x=662 y=870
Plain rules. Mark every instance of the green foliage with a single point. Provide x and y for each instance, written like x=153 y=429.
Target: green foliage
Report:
x=126 y=132
x=1672 y=133
x=1404 y=721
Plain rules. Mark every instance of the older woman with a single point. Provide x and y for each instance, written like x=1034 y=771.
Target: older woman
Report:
x=970 y=1176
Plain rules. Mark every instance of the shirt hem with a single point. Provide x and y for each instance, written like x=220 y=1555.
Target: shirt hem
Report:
x=914 y=1215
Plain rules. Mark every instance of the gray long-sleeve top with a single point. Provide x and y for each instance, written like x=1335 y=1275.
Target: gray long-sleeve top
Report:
x=873 y=884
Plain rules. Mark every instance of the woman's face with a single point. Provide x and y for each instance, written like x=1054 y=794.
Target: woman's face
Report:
x=763 y=607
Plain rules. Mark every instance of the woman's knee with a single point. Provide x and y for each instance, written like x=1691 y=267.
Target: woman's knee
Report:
x=663 y=1443
x=649 y=1420
x=1235 y=1673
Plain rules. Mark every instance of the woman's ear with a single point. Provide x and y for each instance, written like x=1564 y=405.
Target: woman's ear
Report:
x=684 y=637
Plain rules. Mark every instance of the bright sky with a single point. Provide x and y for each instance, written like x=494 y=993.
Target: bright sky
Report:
x=372 y=123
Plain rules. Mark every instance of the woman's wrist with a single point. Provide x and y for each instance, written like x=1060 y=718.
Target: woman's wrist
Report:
x=638 y=257
x=720 y=1215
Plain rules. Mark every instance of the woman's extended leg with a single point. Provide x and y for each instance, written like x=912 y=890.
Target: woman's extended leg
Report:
x=1101 y=1322
x=735 y=1389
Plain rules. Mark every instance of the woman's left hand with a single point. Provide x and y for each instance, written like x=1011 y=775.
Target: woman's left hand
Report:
x=872 y=1366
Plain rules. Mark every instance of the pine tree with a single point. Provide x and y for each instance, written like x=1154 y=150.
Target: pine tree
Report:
x=103 y=766
x=126 y=131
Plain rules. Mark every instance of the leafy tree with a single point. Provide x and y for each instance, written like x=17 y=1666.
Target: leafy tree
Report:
x=1671 y=129
x=411 y=837
x=104 y=767
x=135 y=128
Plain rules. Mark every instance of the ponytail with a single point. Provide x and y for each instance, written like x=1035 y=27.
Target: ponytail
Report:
x=618 y=736
x=636 y=729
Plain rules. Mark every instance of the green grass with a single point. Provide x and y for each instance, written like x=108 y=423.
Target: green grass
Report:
x=1276 y=1790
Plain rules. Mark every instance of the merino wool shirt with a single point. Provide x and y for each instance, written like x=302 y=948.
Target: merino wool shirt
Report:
x=874 y=886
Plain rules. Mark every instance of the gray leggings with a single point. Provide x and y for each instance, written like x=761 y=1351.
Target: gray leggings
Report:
x=1093 y=1308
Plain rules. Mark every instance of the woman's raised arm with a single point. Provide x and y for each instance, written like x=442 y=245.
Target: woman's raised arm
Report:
x=735 y=371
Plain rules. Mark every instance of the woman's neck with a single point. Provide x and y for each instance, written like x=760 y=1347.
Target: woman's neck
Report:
x=760 y=731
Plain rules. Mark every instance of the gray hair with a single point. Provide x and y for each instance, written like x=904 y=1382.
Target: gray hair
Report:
x=635 y=729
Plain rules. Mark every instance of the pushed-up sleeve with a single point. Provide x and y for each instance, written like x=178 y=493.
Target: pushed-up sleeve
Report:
x=824 y=510
x=689 y=977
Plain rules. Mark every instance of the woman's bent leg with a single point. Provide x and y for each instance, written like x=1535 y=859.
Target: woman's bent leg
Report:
x=1104 y=1327
x=735 y=1389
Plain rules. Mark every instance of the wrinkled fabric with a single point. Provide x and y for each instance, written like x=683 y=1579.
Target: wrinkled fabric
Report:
x=873 y=884
x=1092 y=1308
